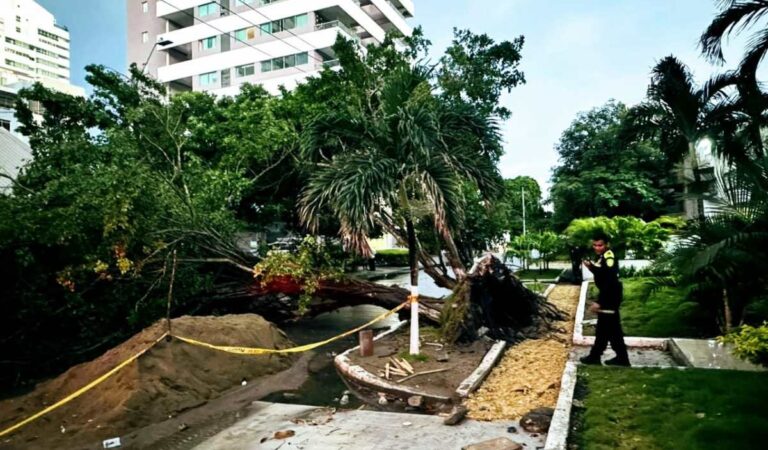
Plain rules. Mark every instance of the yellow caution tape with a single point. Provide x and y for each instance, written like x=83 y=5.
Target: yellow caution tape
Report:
x=302 y=348
x=238 y=350
x=81 y=391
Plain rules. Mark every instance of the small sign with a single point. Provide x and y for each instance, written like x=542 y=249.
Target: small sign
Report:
x=112 y=443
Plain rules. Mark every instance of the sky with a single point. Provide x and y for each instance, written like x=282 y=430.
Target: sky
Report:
x=577 y=55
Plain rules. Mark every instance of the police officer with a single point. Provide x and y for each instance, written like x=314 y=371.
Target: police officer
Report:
x=606 y=271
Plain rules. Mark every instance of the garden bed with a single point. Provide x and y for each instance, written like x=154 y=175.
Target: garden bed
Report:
x=529 y=374
x=668 y=409
x=660 y=313
x=445 y=368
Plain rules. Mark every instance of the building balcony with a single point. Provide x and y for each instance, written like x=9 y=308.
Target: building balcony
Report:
x=322 y=37
x=348 y=11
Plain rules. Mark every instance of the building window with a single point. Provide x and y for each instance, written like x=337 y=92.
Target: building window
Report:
x=5 y=124
x=245 y=71
x=285 y=62
x=144 y=36
x=207 y=9
x=18 y=30
x=245 y=34
x=288 y=23
x=208 y=43
x=208 y=79
x=144 y=7
x=18 y=19
x=245 y=2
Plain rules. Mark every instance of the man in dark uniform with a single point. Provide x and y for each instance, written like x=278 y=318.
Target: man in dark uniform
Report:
x=606 y=271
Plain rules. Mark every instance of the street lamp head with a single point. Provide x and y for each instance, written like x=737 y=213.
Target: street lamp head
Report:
x=163 y=41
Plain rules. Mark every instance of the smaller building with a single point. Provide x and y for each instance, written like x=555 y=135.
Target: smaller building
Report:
x=14 y=153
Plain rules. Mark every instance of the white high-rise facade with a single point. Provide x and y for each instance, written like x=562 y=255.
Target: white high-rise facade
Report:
x=33 y=47
x=216 y=46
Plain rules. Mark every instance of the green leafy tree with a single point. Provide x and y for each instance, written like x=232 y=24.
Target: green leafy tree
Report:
x=643 y=239
x=604 y=171
x=512 y=205
x=398 y=149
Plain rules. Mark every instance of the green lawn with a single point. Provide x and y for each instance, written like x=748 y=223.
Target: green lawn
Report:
x=546 y=274
x=664 y=313
x=700 y=409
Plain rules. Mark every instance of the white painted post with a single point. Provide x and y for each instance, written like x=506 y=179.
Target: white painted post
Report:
x=414 y=349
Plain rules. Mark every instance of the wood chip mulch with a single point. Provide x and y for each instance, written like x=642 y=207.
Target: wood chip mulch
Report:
x=528 y=375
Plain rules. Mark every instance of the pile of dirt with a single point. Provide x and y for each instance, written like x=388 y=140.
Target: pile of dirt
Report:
x=169 y=379
x=529 y=374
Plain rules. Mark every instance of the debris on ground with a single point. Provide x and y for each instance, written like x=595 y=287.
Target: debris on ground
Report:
x=529 y=374
x=501 y=443
x=537 y=420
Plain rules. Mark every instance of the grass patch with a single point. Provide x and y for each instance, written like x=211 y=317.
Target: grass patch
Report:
x=413 y=358
x=536 y=274
x=663 y=313
x=669 y=409
x=536 y=286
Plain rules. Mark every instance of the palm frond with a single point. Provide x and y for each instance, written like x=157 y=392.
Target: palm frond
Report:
x=735 y=16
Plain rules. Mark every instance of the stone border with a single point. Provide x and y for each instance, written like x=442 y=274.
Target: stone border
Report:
x=631 y=341
x=549 y=289
x=559 y=428
x=490 y=359
x=469 y=385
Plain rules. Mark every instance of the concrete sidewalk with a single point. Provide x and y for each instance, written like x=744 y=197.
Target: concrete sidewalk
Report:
x=319 y=429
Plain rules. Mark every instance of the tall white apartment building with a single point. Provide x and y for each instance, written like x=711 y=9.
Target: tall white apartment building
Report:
x=218 y=45
x=33 y=47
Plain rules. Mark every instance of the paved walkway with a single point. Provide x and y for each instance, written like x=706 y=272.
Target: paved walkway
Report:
x=319 y=429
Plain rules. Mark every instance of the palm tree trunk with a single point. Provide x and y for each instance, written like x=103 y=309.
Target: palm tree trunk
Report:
x=412 y=252
x=694 y=206
x=727 y=311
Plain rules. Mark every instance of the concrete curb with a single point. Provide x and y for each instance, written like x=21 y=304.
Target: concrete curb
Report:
x=490 y=359
x=548 y=290
x=470 y=384
x=561 y=420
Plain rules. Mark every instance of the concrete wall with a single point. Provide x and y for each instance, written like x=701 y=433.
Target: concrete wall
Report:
x=139 y=22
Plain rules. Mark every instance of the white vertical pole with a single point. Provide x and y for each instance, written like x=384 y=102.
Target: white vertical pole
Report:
x=522 y=193
x=414 y=348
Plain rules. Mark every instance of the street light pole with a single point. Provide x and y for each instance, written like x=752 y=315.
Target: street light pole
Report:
x=522 y=194
x=160 y=41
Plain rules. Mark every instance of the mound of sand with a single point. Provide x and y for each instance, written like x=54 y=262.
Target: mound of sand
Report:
x=170 y=378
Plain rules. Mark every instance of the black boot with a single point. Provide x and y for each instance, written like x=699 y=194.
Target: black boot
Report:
x=590 y=360
x=618 y=362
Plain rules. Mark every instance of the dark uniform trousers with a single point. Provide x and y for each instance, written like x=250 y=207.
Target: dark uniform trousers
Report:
x=609 y=324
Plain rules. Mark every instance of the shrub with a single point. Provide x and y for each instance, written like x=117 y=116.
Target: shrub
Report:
x=392 y=257
x=750 y=343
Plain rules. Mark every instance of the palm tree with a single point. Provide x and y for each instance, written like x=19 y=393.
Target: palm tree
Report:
x=683 y=114
x=382 y=160
x=735 y=16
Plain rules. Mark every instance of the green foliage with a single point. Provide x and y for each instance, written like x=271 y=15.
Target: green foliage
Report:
x=413 y=358
x=477 y=69
x=396 y=151
x=606 y=171
x=648 y=408
x=511 y=205
x=643 y=239
x=123 y=187
x=661 y=311
x=392 y=257
x=307 y=267
x=750 y=343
